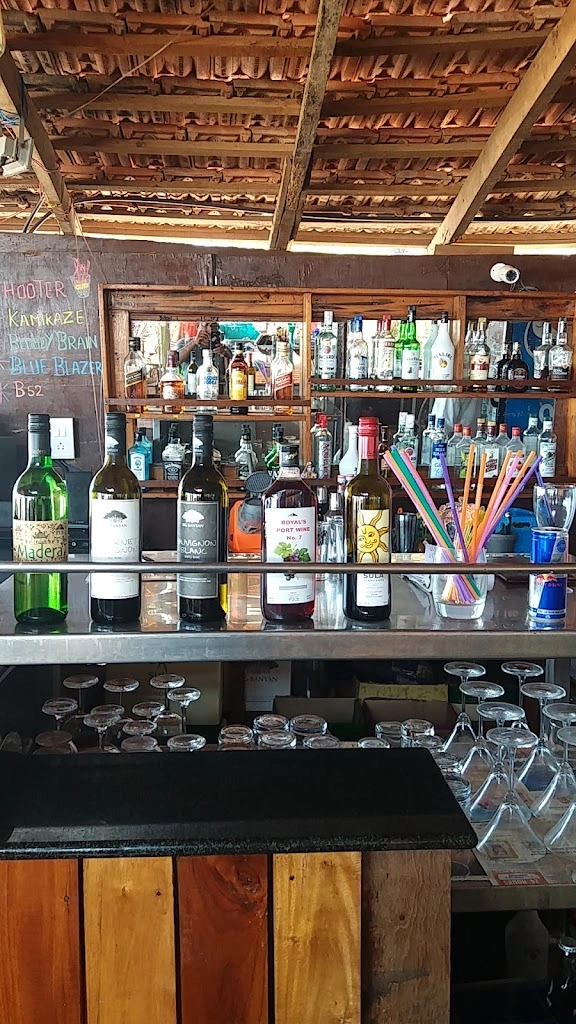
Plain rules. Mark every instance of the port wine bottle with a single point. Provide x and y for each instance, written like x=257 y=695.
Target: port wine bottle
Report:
x=115 y=530
x=288 y=535
x=368 y=503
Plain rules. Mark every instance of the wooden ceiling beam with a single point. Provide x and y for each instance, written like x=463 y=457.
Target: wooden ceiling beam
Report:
x=552 y=65
x=512 y=185
x=170 y=188
x=14 y=99
x=130 y=101
x=169 y=147
x=396 y=151
x=297 y=167
x=416 y=104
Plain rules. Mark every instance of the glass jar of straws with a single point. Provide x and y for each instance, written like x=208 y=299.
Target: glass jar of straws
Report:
x=459 y=596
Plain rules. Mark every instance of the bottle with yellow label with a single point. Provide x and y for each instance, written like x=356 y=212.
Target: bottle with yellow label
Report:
x=238 y=379
x=368 y=502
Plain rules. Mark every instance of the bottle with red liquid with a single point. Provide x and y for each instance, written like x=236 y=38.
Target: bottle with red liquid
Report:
x=289 y=521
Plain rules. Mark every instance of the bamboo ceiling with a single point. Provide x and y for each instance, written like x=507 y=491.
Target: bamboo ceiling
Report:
x=181 y=117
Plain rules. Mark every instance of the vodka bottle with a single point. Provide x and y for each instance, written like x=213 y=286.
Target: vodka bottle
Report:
x=439 y=442
x=547 y=449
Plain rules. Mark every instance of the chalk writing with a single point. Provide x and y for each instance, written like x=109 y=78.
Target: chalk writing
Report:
x=57 y=365
x=41 y=319
x=59 y=340
x=22 y=390
x=35 y=289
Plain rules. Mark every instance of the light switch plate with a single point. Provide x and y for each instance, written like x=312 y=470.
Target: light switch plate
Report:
x=62 y=437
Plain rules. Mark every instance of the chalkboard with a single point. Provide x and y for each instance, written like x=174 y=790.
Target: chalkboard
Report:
x=50 y=357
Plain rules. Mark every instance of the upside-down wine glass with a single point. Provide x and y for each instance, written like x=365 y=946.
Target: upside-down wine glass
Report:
x=56 y=741
x=523 y=670
x=168 y=722
x=184 y=698
x=101 y=719
x=541 y=767
x=138 y=727
x=462 y=736
x=478 y=762
x=80 y=683
x=509 y=837
x=494 y=788
x=561 y=838
x=139 y=745
x=561 y=791
x=60 y=708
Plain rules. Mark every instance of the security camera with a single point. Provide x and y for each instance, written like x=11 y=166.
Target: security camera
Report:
x=504 y=273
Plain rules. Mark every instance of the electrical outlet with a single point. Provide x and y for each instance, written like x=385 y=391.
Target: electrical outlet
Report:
x=62 y=437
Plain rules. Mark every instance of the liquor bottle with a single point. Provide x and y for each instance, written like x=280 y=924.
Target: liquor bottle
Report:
x=547 y=449
x=191 y=377
x=348 y=465
x=438 y=448
x=531 y=435
x=40 y=531
x=115 y=530
x=401 y=427
x=427 y=350
x=469 y=346
x=250 y=376
x=442 y=354
x=561 y=997
x=409 y=440
x=207 y=379
x=139 y=458
x=173 y=455
x=492 y=450
x=368 y=503
x=517 y=448
x=357 y=349
x=480 y=435
x=289 y=536
x=411 y=348
x=463 y=452
x=503 y=362
x=385 y=345
x=561 y=354
x=238 y=380
x=452 y=445
x=327 y=350
x=427 y=441
x=282 y=372
x=398 y=348
x=172 y=384
x=541 y=354
x=202 y=530
x=480 y=358
x=135 y=374
x=503 y=440
x=322 y=448
x=516 y=369
x=246 y=458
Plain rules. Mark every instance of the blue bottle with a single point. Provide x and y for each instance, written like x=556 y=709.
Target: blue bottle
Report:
x=140 y=457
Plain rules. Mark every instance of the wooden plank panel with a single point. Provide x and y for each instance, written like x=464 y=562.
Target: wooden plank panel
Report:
x=129 y=941
x=406 y=937
x=317 y=938
x=223 y=920
x=40 y=976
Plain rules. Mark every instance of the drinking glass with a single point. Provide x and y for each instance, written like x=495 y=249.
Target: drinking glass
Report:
x=523 y=670
x=101 y=720
x=57 y=741
x=185 y=697
x=117 y=709
x=138 y=727
x=121 y=685
x=185 y=743
x=374 y=741
x=435 y=744
x=389 y=731
x=561 y=791
x=540 y=768
x=148 y=709
x=168 y=722
x=269 y=723
x=459 y=597
x=325 y=742
x=80 y=683
x=307 y=725
x=554 y=505
x=463 y=736
x=283 y=739
x=236 y=735
x=59 y=708
x=494 y=788
x=478 y=761
x=509 y=837
x=139 y=745
x=413 y=729
x=461 y=789
x=561 y=838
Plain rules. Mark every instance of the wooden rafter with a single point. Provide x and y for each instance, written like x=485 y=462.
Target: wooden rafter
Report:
x=168 y=147
x=14 y=98
x=297 y=166
x=552 y=65
x=194 y=104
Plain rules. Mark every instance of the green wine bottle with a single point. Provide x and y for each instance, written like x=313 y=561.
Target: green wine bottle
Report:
x=40 y=531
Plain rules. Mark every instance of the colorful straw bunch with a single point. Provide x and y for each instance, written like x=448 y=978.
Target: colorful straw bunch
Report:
x=471 y=537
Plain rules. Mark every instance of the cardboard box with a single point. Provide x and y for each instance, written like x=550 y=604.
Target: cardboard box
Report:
x=206 y=676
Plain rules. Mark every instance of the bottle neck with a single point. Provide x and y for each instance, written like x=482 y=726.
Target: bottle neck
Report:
x=115 y=450
x=368 y=454
x=203 y=449
x=39 y=449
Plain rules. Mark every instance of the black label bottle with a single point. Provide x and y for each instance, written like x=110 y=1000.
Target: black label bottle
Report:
x=202 y=526
x=115 y=530
x=368 y=502
x=40 y=531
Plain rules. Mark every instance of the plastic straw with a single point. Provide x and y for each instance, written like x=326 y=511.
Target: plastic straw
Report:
x=452 y=503
x=469 y=467
x=540 y=480
x=510 y=499
x=478 y=502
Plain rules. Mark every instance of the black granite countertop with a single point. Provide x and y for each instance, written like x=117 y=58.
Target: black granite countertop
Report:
x=226 y=803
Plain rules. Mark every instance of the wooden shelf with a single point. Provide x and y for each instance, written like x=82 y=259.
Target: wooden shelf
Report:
x=201 y=403
x=461 y=389
x=250 y=417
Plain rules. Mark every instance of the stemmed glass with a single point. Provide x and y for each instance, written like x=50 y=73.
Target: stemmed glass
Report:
x=540 y=768
x=149 y=709
x=80 y=683
x=168 y=722
x=184 y=697
x=463 y=736
x=139 y=745
x=494 y=788
x=59 y=708
x=138 y=727
x=55 y=741
x=553 y=802
x=509 y=837
x=185 y=743
x=101 y=719
x=561 y=838
x=523 y=670
x=478 y=761
x=554 y=505
x=121 y=685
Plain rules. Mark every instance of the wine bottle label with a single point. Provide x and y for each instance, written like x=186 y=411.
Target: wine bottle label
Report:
x=43 y=541
x=437 y=450
x=238 y=384
x=114 y=537
x=251 y=385
x=290 y=537
x=191 y=384
x=198 y=541
x=560 y=372
x=518 y=373
x=410 y=364
x=372 y=545
x=548 y=455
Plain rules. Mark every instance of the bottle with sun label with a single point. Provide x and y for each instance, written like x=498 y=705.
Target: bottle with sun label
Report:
x=368 y=501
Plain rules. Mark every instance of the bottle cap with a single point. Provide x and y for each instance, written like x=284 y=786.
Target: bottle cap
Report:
x=457 y=427
x=503 y=428
x=289 y=455
x=467 y=431
x=172 y=358
x=322 y=419
x=515 y=431
x=368 y=426
x=38 y=422
x=567 y=944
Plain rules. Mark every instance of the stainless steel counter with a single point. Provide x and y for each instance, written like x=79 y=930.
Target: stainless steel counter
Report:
x=414 y=630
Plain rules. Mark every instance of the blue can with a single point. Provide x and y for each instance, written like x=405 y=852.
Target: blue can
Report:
x=547 y=593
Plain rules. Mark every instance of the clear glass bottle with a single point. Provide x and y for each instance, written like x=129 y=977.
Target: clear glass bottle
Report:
x=452 y=445
x=517 y=448
x=289 y=512
x=503 y=439
x=561 y=354
x=368 y=505
x=427 y=441
x=547 y=449
x=480 y=434
x=172 y=386
x=173 y=455
x=541 y=354
x=246 y=458
x=322 y=448
x=135 y=374
x=385 y=346
x=207 y=381
x=401 y=427
x=40 y=531
x=191 y=377
x=480 y=359
x=463 y=452
x=411 y=348
x=442 y=354
x=327 y=350
x=469 y=346
x=427 y=350
x=333 y=548
x=439 y=445
x=348 y=466
x=409 y=440
x=357 y=350
x=531 y=435
x=493 y=451
x=282 y=372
